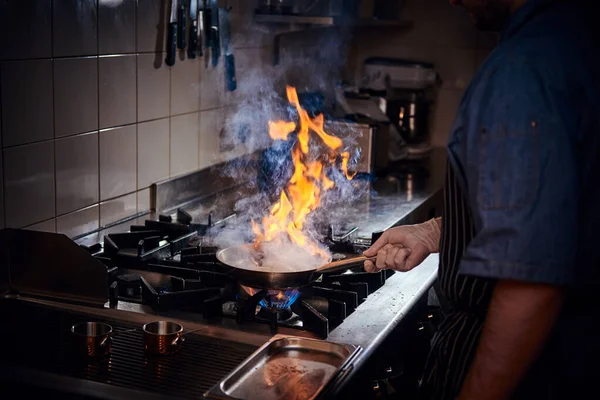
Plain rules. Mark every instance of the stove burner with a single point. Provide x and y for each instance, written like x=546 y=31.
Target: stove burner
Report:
x=275 y=299
x=129 y=285
x=283 y=314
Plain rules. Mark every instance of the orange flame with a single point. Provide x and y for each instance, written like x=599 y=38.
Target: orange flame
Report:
x=302 y=193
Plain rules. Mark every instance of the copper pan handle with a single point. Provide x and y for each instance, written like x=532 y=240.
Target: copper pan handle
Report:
x=181 y=339
x=342 y=265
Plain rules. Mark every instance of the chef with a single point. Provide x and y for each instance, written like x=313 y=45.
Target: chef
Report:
x=518 y=243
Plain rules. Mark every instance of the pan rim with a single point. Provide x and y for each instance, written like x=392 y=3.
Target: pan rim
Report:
x=255 y=268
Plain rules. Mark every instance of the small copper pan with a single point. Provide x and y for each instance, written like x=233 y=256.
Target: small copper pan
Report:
x=94 y=339
x=164 y=337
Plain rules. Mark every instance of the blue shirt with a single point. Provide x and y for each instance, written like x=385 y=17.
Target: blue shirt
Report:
x=525 y=148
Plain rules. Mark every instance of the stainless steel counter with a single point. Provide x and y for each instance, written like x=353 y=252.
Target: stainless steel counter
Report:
x=403 y=199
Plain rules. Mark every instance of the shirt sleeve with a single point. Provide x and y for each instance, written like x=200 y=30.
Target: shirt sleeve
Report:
x=523 y=190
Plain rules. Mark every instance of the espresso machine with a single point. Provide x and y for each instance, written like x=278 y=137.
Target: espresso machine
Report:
x=405 y=90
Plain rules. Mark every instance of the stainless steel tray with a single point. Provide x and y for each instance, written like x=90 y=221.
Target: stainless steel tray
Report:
x=287 y=367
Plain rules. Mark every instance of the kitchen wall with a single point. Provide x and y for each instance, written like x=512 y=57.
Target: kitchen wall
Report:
x=441 y=34
x=91 y=116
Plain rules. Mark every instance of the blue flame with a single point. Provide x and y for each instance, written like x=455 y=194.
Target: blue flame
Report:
x=281 y=299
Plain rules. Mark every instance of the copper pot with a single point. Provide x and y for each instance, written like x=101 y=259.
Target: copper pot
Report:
x=92 y=338
x=162 y=337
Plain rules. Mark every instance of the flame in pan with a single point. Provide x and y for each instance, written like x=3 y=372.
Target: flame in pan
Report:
x=302 y=193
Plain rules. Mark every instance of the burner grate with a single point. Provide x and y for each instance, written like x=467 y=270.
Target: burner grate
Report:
x=44 y=343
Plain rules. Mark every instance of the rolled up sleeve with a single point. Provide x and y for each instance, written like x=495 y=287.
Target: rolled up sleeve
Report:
x=523 y=189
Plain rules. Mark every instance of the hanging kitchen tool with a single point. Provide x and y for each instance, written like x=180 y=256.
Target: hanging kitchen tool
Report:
x=172 y=35
x=206 y=27
x=248 y=270
x=230 y=80
x=193 y=42
x=181 y=22
x=215 y=48
x=200 y=28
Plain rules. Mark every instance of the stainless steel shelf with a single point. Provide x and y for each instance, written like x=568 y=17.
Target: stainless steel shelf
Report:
x=328 y=21
x=292 y=19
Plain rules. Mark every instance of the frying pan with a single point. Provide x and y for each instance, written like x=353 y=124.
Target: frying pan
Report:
x=245 y=263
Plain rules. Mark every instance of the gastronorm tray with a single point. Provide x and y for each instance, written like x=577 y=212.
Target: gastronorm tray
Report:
x=287 y=367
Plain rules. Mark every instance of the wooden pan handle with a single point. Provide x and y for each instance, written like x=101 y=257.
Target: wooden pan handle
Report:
x=342 y=265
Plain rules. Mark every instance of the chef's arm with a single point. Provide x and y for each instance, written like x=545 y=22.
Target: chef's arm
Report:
x=520 y=318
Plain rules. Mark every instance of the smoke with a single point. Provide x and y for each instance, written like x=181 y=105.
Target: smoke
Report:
x=314 y=70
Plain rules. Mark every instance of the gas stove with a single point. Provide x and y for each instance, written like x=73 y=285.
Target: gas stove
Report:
x=169 y=263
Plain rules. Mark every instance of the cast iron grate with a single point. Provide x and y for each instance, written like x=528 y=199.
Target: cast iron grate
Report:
x=42 y=342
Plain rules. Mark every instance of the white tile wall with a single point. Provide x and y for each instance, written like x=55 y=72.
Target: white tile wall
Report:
x=118 y=161
x=76 y=172
x=152 y=87
x=211 y=124
x=152 y=152
x=184 y=143
x=90 y=114
x=151 y=21
x=117 y=209
x=116 y=26
x=212 y=86
x=29 y=184
x=185 y=86
x=117 y=90
x=75 y=95
x=31 y=22
x=75 y=28
x=26 y=101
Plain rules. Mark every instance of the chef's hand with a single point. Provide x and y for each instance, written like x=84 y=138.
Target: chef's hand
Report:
x=404 y=247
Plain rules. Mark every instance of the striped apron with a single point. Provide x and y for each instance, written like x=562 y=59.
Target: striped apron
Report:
x=455 y=343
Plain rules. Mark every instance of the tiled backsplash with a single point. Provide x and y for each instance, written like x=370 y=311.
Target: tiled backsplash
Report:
x=442 y=34
x=90 y=114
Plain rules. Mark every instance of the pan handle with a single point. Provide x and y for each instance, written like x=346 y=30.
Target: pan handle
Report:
x=342 y=265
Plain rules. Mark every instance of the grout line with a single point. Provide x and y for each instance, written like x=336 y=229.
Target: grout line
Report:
x=137 y=107
x=98 y=108
x=3 y=164
x=53 y=111
x=170 y=69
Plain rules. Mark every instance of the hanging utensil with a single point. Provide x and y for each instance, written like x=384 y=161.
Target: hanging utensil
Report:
x=201 y=29
x=181 y=22
x=193 y=42
x=206 y=27
x=172 y=35
x=248 y=271
x=230 y=79
x=215 y=48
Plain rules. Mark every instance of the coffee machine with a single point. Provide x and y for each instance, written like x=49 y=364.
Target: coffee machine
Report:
x=406 y=90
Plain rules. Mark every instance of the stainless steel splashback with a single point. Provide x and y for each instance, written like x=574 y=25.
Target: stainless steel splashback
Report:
x=172 y=193
x=361 y=136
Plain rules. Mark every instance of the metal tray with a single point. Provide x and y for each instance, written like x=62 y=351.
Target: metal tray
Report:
x=287 y=367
